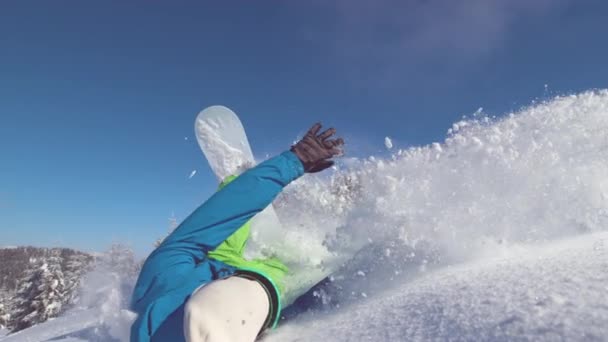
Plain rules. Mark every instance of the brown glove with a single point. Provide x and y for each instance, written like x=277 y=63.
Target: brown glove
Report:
x=315 y=151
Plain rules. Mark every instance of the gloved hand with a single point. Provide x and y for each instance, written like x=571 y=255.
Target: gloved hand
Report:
x=315 y=151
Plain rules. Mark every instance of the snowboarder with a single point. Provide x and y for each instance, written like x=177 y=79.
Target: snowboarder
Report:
x=197 y=286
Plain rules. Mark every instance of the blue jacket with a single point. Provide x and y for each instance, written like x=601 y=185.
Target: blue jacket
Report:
x=180 y=264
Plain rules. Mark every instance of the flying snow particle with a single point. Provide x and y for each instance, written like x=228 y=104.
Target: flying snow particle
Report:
x=388 y=143
x=192 y=174
x=185 y=138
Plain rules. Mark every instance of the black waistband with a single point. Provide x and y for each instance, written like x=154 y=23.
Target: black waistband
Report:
x=273 y=296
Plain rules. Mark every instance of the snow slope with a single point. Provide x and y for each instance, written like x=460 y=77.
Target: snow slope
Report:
x=73 y=321
x=498 y=233
x=554 y=292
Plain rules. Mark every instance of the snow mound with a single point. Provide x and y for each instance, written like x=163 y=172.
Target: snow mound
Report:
x=549 y=293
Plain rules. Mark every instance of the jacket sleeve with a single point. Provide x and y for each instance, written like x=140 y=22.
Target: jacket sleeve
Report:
x=215 y=220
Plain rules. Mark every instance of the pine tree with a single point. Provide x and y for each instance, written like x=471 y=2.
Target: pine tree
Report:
x=41 y=295
x=121 y=259
x=26 y=291
x=4 y=314
x=75 y=266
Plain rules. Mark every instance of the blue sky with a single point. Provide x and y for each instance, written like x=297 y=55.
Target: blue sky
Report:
x=97 y=98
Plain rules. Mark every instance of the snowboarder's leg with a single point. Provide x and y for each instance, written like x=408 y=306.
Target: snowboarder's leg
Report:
x=226 y=310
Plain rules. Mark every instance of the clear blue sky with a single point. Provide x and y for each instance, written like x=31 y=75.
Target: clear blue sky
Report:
x=97 y=98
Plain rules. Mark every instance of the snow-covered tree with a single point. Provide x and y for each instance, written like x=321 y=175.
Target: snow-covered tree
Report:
x=75 y=266
x=121 y=259
x=41 y=294
x=39 y=283
x=4 y=315
x=109 y=285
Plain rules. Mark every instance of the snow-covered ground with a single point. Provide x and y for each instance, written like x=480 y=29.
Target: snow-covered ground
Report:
x=555 y=292
x=498 y=233
x=73 y=321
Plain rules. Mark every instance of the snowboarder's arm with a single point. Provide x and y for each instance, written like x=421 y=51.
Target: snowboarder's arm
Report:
x=215 y=220
x=231 y=207
x=235 y=204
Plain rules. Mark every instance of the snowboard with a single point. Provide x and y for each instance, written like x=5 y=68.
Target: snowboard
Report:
x=222 y=138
